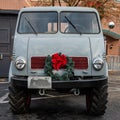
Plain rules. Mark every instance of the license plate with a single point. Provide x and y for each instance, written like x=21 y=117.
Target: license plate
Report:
x=39 y=82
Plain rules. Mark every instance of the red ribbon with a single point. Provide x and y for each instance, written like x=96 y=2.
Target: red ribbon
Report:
x=58 y=61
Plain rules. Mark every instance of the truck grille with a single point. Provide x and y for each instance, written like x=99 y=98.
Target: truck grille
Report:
x=80 y=62
x=39 y=62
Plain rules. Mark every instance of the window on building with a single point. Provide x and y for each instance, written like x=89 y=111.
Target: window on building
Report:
x=117 y=0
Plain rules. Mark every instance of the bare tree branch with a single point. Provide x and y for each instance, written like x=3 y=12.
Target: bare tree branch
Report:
x=77 y=3
x=53 y=2
x=59 y=2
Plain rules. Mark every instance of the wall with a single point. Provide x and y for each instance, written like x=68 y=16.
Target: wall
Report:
x=112 y=46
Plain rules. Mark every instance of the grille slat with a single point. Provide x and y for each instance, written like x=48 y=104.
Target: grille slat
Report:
x=39 y=62
x=80 y=62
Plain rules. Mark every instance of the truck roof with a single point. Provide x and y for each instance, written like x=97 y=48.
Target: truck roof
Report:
x=57 y=8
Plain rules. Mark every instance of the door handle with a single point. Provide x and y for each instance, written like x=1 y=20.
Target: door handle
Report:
x=1 y=56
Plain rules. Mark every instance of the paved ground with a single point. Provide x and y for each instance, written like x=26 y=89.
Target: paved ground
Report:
x=63 y=108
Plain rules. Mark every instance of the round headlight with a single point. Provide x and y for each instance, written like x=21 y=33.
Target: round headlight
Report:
x=20 y=63
x=98 y=63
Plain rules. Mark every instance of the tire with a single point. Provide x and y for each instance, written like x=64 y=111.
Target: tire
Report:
x=96 y=100
x=19 y=100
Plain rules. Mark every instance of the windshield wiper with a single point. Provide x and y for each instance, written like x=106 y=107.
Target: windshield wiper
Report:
x=73 y=25
x=31 y=25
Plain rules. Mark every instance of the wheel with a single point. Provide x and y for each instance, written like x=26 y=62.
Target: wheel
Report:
x=96 y=100
x=19 y=99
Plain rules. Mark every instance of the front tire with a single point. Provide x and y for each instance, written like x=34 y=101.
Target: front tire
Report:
x=19 y=99
x=96 y=100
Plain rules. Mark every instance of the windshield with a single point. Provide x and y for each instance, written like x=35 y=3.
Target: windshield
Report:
x=47 y=22
x=79 y=23
x=38 y=22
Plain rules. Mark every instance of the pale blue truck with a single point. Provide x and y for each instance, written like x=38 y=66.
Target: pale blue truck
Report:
x=58 y=49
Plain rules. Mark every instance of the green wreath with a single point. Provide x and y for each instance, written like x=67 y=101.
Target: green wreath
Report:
x=57 y=62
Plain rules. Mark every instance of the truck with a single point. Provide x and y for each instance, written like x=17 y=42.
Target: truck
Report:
x=58 y=49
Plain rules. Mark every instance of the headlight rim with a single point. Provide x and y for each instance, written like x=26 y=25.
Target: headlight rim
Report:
x=95 y=62
x=21 y=61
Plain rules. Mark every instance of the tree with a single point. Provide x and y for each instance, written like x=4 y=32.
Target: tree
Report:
x=98 y=4
x=40 y=2
x=72 y=2
x=43 y=2
x=106 y=8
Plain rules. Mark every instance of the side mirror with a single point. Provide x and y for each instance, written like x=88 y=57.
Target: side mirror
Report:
x=111 y=25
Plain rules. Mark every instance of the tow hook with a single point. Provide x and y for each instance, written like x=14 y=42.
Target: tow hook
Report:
x=41 y=92
x=76 y=92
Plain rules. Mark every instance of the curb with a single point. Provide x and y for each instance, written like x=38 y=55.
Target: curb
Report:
x=114 y=73
x=3 y=79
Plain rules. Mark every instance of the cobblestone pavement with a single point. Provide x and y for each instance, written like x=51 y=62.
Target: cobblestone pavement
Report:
x=64 y=108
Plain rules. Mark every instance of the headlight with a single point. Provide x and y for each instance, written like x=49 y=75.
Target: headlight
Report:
x=20 y=63
x=98 y=63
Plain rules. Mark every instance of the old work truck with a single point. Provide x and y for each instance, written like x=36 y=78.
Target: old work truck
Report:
x=58 y=49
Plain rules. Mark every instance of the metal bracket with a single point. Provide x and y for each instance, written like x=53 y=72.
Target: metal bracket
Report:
x=1 y=56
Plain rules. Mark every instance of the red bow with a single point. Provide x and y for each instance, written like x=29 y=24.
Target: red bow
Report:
x=58 y=61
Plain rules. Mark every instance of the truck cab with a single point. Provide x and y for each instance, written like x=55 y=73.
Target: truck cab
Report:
x=60 y=49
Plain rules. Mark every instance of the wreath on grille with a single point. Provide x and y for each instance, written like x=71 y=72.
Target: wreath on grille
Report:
x=59 y=63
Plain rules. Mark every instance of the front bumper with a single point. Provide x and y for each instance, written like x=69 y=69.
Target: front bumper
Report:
x=82 y=83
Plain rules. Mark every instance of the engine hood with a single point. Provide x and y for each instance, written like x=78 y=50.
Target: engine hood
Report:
x=49 y=46
x=71 y=47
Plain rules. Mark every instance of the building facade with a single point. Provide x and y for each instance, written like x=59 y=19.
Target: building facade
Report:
x=8 y=16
